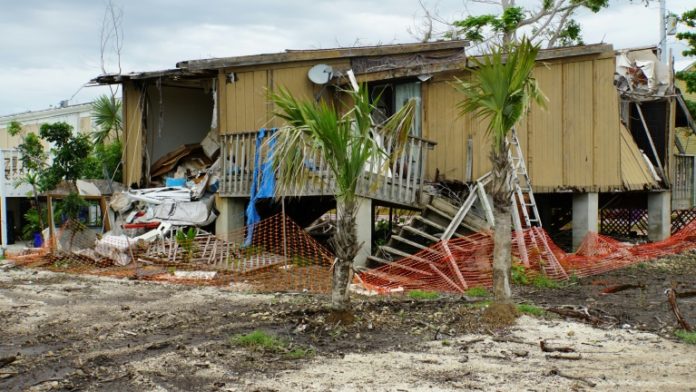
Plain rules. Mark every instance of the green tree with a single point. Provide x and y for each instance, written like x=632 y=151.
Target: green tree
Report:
x=69 y=160
x=14 y=128
x=105 y=162
x=688 y=19
x=500 y=92
x=345 y=142
x=33 y=158
x=547 y=21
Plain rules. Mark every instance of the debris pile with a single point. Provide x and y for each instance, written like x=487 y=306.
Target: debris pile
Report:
x=186 y=180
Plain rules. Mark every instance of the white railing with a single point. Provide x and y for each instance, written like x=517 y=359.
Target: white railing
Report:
x=399 y=181
x=684 y=182
x=13 y=165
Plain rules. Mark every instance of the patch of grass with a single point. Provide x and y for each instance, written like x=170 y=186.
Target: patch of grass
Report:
x=519 y=274
x=446 y=343
x=263 y=341
x=544 y=282
x=299 y=353
x=423 y=294
x=477 y=292
x=686 y=337
x=259 y=340
x=531 y=310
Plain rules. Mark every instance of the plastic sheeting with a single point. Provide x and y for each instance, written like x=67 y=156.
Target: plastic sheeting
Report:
x=264 y=188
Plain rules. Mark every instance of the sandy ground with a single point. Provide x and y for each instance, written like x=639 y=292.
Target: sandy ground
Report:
x=69 y=332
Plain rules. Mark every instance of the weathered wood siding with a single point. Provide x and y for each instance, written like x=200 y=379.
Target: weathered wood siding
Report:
x=132 y=134
x=244 y=104
x=572 y=144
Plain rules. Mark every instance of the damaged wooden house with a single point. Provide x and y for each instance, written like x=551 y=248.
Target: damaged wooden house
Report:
x=590 y=150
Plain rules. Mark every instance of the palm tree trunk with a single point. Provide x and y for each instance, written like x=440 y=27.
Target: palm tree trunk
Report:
x=502 y=241
x=501 y=255
x=345 y=244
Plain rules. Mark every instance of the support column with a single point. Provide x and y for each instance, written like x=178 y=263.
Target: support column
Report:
x=659 y=215
x=231 y=216
x=585 y=216
x=364 y=222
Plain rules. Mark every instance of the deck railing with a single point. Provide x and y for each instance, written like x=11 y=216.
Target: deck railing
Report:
x=398 y=181
x=684 y=183
x=13 y=165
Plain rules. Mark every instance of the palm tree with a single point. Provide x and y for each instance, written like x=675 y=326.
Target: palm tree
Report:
x=500 y=91
x=346 y=141
x=106 y=112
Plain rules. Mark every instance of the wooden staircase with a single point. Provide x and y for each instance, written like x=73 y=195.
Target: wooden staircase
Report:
x=436 y=222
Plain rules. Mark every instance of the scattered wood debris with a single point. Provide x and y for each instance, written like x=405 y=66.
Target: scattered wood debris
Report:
x=672 y=299
x=556 y=372
x=622 y=287
x=549 y=349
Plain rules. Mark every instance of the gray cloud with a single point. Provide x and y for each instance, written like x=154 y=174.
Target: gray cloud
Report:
x=49 y=49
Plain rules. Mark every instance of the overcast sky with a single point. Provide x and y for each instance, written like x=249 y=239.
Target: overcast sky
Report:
x=49 y=49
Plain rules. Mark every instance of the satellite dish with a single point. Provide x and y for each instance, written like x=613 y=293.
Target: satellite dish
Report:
x=320 y=73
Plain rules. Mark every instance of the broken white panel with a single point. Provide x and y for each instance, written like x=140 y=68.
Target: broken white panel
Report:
x=114 y=248
x=85 y=188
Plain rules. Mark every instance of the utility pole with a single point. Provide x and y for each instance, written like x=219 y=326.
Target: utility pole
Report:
x=3 y=208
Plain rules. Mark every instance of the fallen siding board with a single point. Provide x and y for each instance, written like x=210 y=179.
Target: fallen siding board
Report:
x=635 y=174
x=132 y=123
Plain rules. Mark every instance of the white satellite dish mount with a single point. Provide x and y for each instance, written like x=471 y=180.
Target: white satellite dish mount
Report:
x=320 y=74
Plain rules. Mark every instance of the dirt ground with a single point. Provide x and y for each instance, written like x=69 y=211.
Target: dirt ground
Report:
x=68 y=332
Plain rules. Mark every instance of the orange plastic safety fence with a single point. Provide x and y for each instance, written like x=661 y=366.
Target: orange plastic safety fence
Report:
x=459 y=264
x=272 y=255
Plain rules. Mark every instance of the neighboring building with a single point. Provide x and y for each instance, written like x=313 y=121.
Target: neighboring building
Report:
x=579 y=153
x=682 y=85
x=78 y=116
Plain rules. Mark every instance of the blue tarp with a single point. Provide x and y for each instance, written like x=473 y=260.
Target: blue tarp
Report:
x=266 y=185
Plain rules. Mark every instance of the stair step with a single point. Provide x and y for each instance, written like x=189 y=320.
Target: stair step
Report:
x=402 y=280
x=391 y=263
x=401 y=253
x=420 y=233
x=444 y=205
x=430 y=223
x=415 y=245
x=439 y=212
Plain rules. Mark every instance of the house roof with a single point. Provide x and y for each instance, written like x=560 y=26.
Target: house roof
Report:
x=324 y=54
x=399 y=60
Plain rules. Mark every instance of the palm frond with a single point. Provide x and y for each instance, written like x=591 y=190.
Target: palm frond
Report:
x=501 y=88
x=106 y=113
x=344 y=142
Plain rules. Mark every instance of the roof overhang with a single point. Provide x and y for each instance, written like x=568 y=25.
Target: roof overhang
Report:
x=323 y=54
